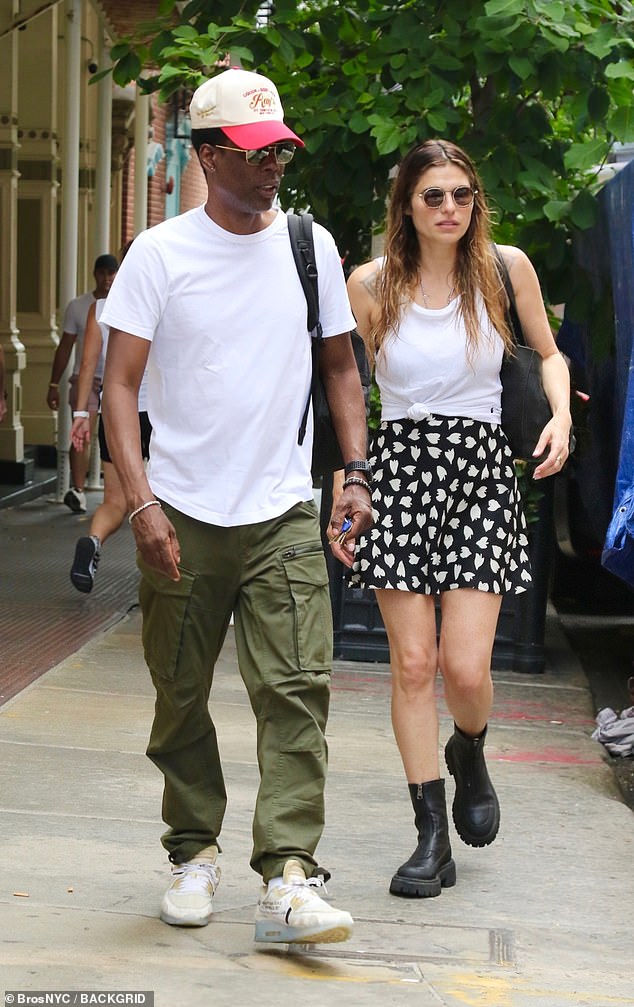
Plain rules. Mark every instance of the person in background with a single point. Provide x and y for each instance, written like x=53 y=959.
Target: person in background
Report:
x=109 y=515
x=73 y=328
x=224 y=519
x=448 y=522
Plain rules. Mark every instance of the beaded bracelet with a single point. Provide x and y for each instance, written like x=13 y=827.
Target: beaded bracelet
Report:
x=148 y=503
x=52 y=384
x=356 y=481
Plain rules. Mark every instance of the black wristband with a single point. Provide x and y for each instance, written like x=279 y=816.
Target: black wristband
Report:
x=359 y=466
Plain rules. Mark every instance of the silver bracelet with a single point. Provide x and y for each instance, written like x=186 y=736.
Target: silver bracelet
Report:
x=357 y=481
x=81 y=414
x=148 y=503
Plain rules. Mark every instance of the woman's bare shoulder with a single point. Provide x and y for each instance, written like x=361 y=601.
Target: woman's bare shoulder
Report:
x=513 y=255
x=365 y=276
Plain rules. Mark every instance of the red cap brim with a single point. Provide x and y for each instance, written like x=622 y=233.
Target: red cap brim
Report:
x=260 y=134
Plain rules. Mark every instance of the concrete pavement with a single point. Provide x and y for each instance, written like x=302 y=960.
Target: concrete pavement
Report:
x=542 y=918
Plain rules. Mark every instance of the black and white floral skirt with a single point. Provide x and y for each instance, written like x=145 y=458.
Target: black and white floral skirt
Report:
x=447 y=510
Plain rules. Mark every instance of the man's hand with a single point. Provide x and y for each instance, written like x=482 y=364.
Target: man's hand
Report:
x=353 y=503
x=156 y=540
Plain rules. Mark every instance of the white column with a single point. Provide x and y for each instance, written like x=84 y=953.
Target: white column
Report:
x=141 y=124
x=104 y=146
x=102 y=202
x=70 y=210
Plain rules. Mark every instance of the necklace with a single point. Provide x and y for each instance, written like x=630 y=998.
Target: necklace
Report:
x=426 y=298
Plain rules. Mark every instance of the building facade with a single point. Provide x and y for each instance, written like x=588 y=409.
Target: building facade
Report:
x=71 y=188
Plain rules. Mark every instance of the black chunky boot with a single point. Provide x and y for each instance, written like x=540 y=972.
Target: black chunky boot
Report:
x=430 y=866
x=476 y=811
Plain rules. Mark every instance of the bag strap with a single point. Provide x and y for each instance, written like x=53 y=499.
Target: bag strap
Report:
x=513 y=316
x=300 y=230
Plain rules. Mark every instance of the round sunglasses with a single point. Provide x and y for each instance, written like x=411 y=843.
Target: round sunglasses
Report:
x=434 y=197
x=284 y=153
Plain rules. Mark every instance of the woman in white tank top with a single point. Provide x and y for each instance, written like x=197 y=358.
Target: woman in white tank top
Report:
x=448 y=519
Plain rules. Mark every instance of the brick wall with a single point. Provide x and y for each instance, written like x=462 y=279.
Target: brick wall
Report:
x=193 y=187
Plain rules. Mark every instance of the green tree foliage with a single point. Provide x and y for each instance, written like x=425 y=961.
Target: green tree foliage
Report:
x=537 y=92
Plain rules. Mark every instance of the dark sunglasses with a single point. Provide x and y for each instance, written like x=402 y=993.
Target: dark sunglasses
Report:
x=284 y=152
x=462 y=195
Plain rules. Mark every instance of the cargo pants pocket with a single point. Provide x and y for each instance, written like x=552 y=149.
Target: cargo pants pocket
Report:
x=165 y=605
x=307 y=576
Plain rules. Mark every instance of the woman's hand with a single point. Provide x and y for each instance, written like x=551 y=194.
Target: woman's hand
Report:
x=80 y=433
x=554 y=442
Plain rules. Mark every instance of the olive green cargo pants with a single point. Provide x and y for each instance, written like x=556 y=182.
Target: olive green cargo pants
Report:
x=273 y=577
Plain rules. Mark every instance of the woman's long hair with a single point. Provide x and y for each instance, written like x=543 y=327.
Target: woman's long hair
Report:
x=476 y=269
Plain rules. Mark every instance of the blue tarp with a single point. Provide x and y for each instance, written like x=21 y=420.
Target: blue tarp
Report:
x=618 y=552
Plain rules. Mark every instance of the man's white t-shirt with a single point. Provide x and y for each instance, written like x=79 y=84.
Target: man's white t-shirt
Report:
x=74 y=323
x=229 y=369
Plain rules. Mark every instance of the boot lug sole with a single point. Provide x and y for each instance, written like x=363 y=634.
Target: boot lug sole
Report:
x=425 y=888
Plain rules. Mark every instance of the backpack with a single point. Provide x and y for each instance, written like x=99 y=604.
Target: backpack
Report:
x=327 y=455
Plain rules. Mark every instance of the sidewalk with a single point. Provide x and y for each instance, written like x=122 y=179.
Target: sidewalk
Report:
x=542 y=918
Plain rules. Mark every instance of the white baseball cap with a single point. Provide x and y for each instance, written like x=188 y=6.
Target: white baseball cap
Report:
x=245 y=106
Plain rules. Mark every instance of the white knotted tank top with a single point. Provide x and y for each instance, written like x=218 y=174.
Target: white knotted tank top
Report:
x=424 y=369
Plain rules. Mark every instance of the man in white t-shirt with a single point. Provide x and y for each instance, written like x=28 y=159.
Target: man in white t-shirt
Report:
x=224 y=519
x=73 y=328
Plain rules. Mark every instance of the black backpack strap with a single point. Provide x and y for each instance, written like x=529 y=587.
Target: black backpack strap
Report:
x=300 y=229
x=513 y=316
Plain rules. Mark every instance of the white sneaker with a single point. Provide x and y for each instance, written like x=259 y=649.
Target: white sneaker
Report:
x=75 y=500
x=187 y=901
x=293 y=911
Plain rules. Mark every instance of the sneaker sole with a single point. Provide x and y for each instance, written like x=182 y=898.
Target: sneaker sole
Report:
x=84 y=555
x=74 y=505
x=274 y=933
x=178 y=920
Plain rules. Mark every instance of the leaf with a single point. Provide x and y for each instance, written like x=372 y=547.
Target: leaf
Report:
x=624 y=68
x=521 y=66
x=598 y=104
x=556 y=209
x=444 y=61
x=437 y=121
x=119 y=51
x=621 y=124
x=585 y=156
x=584 y=210
x=127 y=69
x=558 y=43
x=387 y=135
x=504 y=7
x=186 y=31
